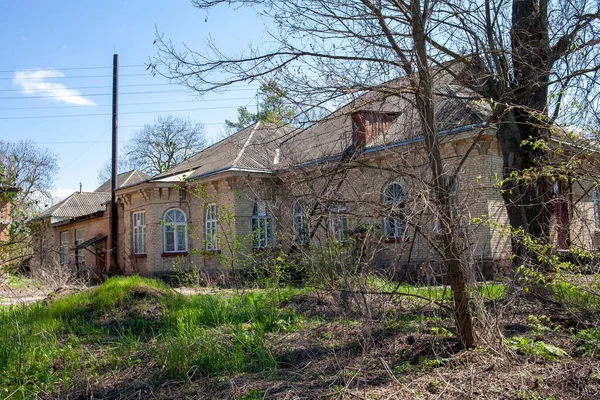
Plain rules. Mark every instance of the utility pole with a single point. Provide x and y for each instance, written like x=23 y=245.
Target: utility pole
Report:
x=114 y=222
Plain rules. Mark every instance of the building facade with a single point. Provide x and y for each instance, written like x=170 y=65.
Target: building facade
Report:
x=359 y=175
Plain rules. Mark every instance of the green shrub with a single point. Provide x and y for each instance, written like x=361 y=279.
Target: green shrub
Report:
x=529 y=346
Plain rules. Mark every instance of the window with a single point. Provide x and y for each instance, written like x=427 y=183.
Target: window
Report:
x=43 y=250
x=79 y=252
x=139 y=232
x=393 y=220
x=212 y=222
x=262 y=226
x=175 y=231
x=64 y=247
x=596 y=202
x=300 y=224
x=338 y=222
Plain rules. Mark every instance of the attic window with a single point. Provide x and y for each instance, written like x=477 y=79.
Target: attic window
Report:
x=366 y=125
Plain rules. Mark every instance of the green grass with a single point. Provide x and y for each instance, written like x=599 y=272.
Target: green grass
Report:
x=129 y=322
x=490 y=291
x=17 y=282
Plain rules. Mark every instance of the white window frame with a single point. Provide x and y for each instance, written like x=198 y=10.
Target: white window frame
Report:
x=338 y=222
x=138 y=232
x=175 y=227
x=64 y=247
x=263 y=229
x=211 y=227
x=79 y=254
x=300 y=224
x=394 y=227
x=43 y=250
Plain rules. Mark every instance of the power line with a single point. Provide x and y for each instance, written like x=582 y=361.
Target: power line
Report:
x=69 y=68
x=108 y=141
x=123 y=113
x=71 y=77
x=127 y=104
x=120 y=86
x=104 y=94
x=100 y=87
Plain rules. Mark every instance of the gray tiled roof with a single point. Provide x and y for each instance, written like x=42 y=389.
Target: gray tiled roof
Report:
x=252 y=148
x=455 y=107
x=124 y=179
x=265 y=147
x=78 y=204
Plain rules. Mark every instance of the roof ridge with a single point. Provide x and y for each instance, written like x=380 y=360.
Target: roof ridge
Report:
x=234 y=163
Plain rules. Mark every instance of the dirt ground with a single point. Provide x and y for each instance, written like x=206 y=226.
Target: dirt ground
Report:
x=341 y=356
x=351 y=355
x=21 y=292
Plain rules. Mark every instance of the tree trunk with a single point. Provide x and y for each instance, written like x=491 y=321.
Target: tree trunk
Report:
x=459 y=277
x=523 y=124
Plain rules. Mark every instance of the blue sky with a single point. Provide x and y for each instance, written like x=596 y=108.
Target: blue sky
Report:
x=48 y=46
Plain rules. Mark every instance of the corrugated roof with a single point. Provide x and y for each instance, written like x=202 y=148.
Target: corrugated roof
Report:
x=78 y=204
x=124 y=179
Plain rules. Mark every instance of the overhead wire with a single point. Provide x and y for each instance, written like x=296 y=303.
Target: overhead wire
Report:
x=122 y=86
x=106 y=94
x=70 y=77
x=125 y=104
x=70 y=68
x=120 y=113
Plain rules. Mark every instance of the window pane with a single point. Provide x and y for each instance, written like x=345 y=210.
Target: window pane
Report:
x=169 y=240
x=181 y=231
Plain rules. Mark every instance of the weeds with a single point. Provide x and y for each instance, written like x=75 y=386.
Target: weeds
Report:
x=133 y=321
x=532 y=347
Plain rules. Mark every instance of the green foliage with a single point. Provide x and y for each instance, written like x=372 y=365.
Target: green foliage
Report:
x=588 y=342
x=274 y=108
x=47 y=347
x=575 y=297
x=253 y=395
x=532 y=347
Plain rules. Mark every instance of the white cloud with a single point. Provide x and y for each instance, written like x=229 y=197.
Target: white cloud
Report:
x=36 y=83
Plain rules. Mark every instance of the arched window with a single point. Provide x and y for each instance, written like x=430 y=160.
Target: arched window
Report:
x=175 y=231
x=300 y=224
x=393 y=221
x=262 y=226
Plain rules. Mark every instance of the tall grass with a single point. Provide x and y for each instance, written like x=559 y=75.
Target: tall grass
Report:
x=129 y=322
x=489 y=291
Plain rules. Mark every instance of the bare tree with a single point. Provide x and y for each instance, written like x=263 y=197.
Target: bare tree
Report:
x=522 y=57
x=158 y=146
x=31 y=169
x=527 y=58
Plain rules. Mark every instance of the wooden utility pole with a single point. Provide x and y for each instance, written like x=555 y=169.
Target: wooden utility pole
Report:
x=114 y=222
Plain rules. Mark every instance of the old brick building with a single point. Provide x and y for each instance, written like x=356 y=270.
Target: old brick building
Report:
x=361 y=169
